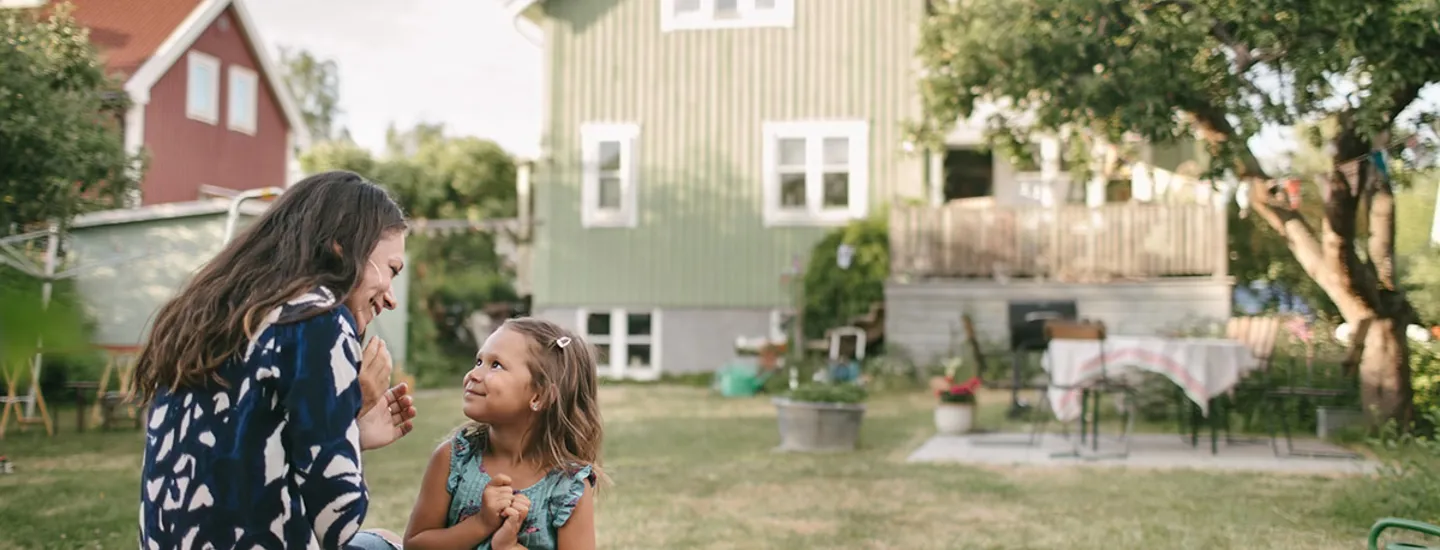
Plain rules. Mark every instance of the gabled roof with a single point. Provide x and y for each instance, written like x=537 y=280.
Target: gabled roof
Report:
x=128 y=37
x=142 y=44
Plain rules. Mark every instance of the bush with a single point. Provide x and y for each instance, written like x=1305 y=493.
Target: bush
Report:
x=1425 y=380
x=833 y=296
x=1405 y=484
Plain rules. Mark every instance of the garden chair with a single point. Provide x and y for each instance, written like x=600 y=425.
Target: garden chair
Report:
x=1037 y=418
x=1260 y=334
x=1402 y=525
x=1306 y=392
x=1094 y=390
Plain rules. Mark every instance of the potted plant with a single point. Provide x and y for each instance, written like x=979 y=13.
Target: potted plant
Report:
x=820 y=417
x=955 y=413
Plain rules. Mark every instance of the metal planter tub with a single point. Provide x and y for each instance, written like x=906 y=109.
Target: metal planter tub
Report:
x=818 y=427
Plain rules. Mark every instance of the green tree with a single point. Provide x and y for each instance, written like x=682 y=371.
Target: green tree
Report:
x=434 y=177
x=315 y=84
x=1162 y=69
x=62 y=151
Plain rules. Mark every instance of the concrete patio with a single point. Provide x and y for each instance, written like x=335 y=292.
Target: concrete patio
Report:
x=1146 y=451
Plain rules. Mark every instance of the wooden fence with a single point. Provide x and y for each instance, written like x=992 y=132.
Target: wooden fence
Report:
x=1072 y=243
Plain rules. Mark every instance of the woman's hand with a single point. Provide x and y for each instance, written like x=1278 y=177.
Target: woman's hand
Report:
x=508 y=536
x=375 y=367
x=385 y=424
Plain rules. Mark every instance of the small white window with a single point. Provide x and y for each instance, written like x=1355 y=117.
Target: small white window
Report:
x=816 y=173
x=202 y=88
x=610 y=175
x=627 y=343
x=243 y=100
x=676 y=15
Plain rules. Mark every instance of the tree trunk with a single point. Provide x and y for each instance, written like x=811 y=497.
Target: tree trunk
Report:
x=1385 y=392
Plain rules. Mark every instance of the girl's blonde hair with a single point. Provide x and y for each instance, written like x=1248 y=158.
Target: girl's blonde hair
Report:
x=567 y=432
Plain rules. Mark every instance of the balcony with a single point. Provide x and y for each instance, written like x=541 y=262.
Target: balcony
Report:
x=1070 y=243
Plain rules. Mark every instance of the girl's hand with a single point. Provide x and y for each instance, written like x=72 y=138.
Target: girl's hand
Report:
x=497 y=497
x=508 y=536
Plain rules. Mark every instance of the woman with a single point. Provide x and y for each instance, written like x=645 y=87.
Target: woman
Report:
x=261 y=399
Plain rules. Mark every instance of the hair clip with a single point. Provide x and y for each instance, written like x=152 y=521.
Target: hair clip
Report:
x=562 y=341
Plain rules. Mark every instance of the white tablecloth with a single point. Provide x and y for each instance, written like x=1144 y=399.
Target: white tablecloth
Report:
x=1202 y=367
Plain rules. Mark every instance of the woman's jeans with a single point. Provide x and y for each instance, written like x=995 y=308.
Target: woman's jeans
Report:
x=366 y=540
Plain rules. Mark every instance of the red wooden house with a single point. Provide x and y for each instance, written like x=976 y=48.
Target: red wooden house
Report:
x=210 y=108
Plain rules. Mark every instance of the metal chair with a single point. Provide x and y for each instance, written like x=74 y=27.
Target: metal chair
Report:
x=1402 y=525
x=1096 y=389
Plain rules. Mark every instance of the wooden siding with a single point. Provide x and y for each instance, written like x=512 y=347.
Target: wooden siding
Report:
x=700 y=99
x=186 y=153
x=1073 y=243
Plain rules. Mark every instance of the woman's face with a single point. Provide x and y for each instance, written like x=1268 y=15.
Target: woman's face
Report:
x=373 y=293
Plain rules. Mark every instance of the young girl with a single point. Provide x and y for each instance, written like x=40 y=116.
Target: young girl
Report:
x=522 y=474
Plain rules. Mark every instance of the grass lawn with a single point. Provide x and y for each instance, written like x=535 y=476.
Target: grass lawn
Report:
x=691 y=470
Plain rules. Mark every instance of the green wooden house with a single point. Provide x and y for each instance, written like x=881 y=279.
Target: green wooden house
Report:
x=693 y=149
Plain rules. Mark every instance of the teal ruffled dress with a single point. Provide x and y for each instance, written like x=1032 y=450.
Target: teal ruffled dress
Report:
x=552 y=499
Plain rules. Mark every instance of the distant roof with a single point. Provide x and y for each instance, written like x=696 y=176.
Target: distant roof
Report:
x=128 y=36
x=168 y=211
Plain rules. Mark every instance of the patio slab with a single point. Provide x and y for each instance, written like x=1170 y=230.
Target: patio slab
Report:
x=1158 y=451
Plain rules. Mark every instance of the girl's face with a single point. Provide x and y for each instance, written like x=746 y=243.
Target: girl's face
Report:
x=498 y=390
x=373 y=293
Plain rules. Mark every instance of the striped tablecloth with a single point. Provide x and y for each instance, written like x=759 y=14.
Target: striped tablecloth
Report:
x=1202 y=367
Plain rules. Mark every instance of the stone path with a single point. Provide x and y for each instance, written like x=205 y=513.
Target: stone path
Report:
x=1146 y=451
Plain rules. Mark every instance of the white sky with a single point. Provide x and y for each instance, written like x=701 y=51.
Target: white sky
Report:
x=460 y=62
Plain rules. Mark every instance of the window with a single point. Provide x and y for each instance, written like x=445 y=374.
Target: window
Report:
x=815 y=172
x=608 y=186
x=244 y=88
x=627 y=343
x=202 y=88
x=678 y=15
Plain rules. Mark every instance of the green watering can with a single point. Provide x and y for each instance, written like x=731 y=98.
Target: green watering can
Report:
x=1402 y=525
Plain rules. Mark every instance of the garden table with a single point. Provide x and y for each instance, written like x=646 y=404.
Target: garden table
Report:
x=1203 y=367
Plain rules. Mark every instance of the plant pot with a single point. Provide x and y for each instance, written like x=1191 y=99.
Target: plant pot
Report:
x=954 y=418
x=818 y=427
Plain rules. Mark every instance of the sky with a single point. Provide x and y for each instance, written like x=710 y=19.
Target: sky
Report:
x=460 y=62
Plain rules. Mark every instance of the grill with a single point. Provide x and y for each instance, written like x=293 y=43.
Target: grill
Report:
x=1027 y=322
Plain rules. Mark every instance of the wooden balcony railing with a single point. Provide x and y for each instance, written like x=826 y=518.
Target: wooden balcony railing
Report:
x=1071 y=243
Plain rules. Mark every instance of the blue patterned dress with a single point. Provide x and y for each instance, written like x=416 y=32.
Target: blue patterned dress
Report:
x=552 y=499
x=272 y=460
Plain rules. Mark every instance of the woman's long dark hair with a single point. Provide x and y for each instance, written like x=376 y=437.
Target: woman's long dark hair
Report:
x=290 y=250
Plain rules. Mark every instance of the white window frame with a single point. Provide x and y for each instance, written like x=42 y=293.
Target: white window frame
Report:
x=591 y=136
x=619 y=341
x=748 y=17
x=242 y=76
x=814 y=133
x=196 y=60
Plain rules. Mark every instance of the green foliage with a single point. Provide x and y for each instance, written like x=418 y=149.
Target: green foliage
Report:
x=315 y=85
x=456 y=275
x=815 y=392
x=24 y=321
x=1407 y=481
x=61 y=149
x=1420 y=274
x=453 y=276
x=1116 y=68
x=1414 y=213
x=833 y=296
x=1425 y=380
